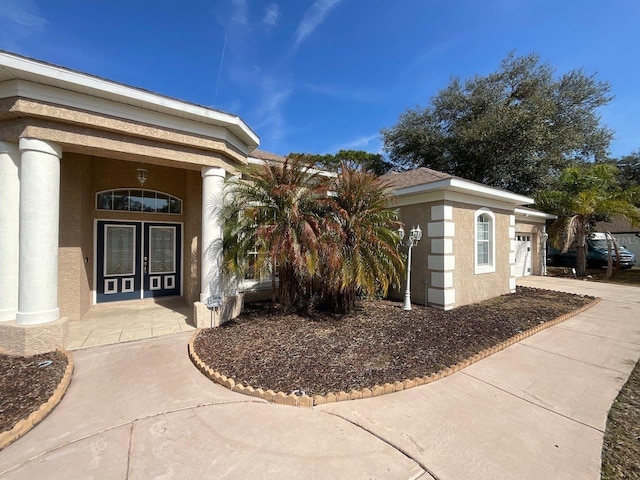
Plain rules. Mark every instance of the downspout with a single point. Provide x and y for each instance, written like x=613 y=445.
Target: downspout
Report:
x=426 y=291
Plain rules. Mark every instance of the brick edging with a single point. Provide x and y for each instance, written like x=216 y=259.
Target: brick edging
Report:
x=23 y=426
x=377 y=390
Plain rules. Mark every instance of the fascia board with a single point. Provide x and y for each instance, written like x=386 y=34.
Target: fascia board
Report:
x=82 y=83
x=521 y=213
x=478 y=201
x=489 y=192
x=465 y=187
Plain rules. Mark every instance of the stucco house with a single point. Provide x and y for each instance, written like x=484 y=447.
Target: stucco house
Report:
x=477 y=239
x=109 y=193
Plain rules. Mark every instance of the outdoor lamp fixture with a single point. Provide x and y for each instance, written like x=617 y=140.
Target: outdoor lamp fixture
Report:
x=142 y=175
x=415 y=234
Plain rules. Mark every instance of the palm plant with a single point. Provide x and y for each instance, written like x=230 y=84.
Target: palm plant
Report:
x=274 y=215
x=359 y=250
x=585 y=194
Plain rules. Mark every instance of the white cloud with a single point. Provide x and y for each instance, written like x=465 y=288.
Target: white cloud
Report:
x=313 y=17
x=19 y=19
x=241 y=12
x=369 y=143
x=274 y=94
x=271 y=15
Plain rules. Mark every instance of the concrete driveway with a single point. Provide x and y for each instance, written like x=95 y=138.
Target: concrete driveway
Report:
x=535 y=410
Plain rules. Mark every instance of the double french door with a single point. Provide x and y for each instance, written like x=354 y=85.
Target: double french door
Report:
x=136 y=260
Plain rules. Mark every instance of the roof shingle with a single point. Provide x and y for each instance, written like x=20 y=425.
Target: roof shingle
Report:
x=411 y=178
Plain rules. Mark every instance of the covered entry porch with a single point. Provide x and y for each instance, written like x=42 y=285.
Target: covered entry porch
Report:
x=112 y=193
x=127 y=321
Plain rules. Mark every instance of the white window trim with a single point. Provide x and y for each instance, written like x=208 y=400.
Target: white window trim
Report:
x=491 y=268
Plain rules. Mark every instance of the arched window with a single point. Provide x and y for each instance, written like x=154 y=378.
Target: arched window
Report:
x=138 y=200
x=484 y=241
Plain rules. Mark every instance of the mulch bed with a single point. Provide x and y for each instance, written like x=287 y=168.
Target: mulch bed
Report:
x=26 y=383
x=621 y=449
x=379 y=343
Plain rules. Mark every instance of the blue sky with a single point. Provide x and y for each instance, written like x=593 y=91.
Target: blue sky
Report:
x=324 y=75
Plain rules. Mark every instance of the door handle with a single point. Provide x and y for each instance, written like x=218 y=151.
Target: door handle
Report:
x=145 y=265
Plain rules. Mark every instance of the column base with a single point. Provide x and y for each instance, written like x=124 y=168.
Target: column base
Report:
x=204 y=317
x=37 y=318
x=8 y=314
x=33 y=339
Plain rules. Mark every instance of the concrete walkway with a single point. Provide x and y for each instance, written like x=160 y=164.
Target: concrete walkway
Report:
x=109 y=324
x=536 y=410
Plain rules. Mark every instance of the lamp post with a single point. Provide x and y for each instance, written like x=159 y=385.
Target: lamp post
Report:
x=415 y=234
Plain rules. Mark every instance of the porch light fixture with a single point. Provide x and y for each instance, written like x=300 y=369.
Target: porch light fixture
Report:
x=142 y=175
x=415 y=234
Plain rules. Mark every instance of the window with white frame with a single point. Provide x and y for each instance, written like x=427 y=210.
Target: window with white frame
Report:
x=484 y=241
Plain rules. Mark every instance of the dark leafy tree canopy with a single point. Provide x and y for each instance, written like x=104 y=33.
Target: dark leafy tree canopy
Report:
x=358 y=159
x=629 y=167
x=510 y=129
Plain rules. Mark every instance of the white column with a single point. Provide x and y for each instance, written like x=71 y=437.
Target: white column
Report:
x=211 y=255
x=39 y=220
x=9 y=224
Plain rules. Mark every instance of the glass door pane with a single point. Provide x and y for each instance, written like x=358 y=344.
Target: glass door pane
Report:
x=162 y=248
x=119 y=250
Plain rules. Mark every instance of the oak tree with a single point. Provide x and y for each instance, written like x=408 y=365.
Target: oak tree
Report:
x=510 y=129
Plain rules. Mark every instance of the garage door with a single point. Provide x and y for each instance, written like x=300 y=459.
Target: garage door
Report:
x=523 y=255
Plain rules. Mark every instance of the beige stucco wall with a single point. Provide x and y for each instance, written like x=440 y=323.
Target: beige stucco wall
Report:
x=82 y=176
x=413 y=215
x=192 y=227
x=469 y=286
x=75 y=253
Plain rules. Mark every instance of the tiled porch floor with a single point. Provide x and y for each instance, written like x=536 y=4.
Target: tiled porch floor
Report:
x=105 y=325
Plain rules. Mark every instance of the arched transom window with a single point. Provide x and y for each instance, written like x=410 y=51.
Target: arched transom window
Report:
x=138 y=200
x=484 y=241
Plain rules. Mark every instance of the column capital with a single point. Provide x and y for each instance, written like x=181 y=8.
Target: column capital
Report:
x=36 y=145
x=10 y=148
x=213 y=172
